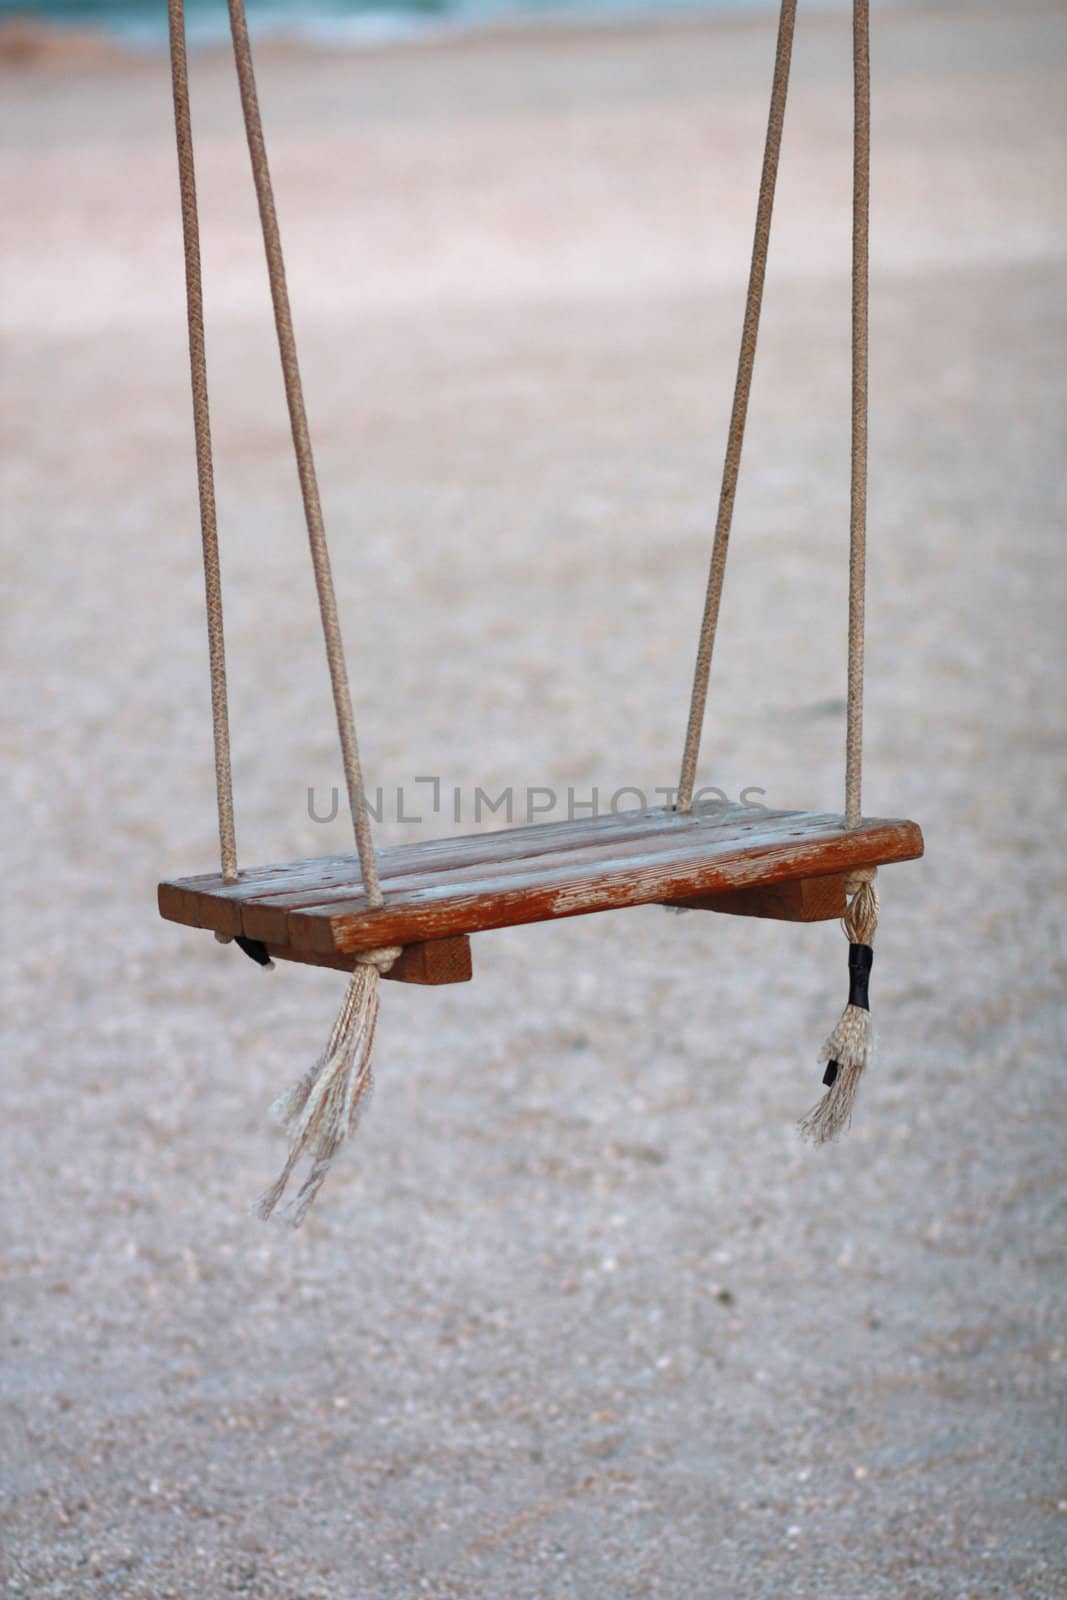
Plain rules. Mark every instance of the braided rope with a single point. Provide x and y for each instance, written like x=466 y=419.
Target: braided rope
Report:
x=857 y=542
x=205 y=474
x=742 y=389
x=848 y=1051
x=305 y=460
x=735 y=437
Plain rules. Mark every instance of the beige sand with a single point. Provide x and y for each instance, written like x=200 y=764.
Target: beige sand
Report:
x=580 y=1316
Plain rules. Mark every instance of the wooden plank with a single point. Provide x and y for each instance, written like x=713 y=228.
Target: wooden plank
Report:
x=460 y=850
x=431 y=963
x=267 y=918
x=196 y=909
x=195 y=901
x=446 y=888
x=261 y=896
x=570 y=890
x=435 y=961
x=799 y=900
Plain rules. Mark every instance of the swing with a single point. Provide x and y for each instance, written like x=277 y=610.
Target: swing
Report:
x=731 y=858
x=408 y=912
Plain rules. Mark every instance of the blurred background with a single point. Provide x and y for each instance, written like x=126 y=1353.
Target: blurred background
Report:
x=577 y=1314
x=143 y=22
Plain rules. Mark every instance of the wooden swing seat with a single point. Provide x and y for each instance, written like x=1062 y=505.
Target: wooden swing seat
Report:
x=744 y=860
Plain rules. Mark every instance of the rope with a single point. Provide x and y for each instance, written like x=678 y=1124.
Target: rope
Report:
x=324 y=1106
x=305 y=462
x=848 y=1050
x=209 y=533
x=735 y=438
x=742 y=388
x=857 y=559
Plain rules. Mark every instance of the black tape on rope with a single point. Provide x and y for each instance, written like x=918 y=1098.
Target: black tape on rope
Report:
x=860 y=962
x=255 y=949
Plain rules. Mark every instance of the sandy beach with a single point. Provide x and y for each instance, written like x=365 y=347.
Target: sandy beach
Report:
x=578 y=1314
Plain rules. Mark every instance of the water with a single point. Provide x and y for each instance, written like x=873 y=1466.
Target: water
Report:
x=350 y=21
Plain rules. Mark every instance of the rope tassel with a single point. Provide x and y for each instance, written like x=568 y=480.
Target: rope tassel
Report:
x=849 y=1048
x=325 y=1105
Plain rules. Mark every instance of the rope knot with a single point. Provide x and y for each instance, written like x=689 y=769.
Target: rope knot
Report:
x=861 y=914
x=383 y=958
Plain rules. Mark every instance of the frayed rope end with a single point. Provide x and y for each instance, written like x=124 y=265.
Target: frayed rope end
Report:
x=325 y=1105
x=847 y=1052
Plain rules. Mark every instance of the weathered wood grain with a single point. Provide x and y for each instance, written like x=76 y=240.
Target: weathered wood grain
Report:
x=730 y=858
x=268 y=914
x=196 y=901
x=799 y=900
x=435 y=962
